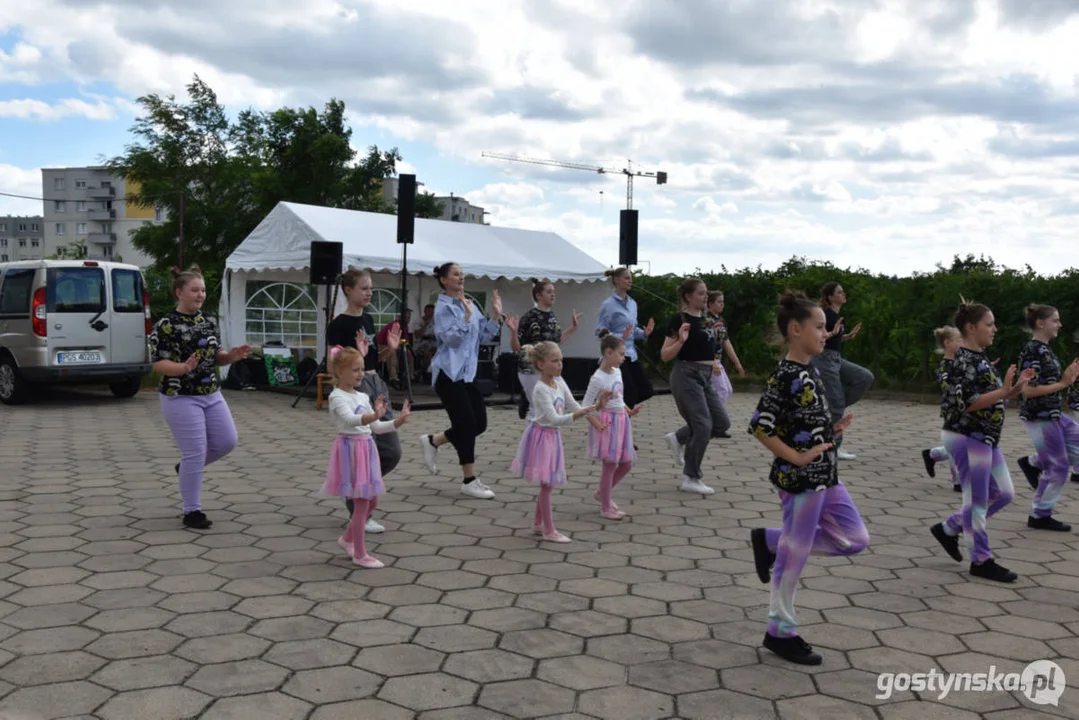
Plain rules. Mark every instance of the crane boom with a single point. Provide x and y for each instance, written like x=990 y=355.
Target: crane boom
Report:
x=629 y=172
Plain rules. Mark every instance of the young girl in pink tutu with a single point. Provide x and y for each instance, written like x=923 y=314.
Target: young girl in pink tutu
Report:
x=354 y=472
x=610 y=439
x=539 y=457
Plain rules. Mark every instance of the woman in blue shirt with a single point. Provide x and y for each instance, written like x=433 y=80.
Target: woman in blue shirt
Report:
x=618 y=315
x=460 y=329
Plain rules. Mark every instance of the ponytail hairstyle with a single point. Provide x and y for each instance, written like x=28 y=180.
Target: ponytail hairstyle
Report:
x=969 y=312
x=541 y=351
x=342 y=357
x=442 y=272
x=352 y=277
x=610 y=341
x=793 y=307
x=615 y=273
x=687 y=288
x=826 y=292
x=945 y=333
x=180 y=278
x=538 y=286
x=1038 y=312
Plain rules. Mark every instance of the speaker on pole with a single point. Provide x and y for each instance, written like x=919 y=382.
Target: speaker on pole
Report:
x=406 y=209
x=627 y=238
x=325 y=262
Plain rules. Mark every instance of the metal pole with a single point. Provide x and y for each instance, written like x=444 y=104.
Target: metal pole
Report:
x=180 y=238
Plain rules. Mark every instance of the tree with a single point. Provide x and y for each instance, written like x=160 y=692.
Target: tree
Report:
x=74 y=250
x=428 y=207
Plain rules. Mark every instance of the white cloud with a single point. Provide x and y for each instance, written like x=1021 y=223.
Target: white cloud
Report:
x=19 y=181
x=30 y=109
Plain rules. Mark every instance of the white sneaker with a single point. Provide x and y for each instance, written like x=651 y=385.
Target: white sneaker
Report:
x=695 y=486
x=430 y=454
x=477 y=490
x=373 y=527
x=678 y=453
x=844 y=455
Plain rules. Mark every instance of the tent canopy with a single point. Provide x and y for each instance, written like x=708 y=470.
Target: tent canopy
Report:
x=282 y=241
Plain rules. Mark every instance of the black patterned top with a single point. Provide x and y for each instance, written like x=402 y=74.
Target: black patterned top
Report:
x=721 y=334
x=794 y=409
x=176 y=337
x=1047 y=371
x=943 y=369
x=1073 y=396
x=537 y=326
x=971 y=376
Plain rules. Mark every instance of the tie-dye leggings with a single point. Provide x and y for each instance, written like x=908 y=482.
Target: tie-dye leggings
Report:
x=1056 y=444
x=940 y=454
x=987 y=489
x=814 y=523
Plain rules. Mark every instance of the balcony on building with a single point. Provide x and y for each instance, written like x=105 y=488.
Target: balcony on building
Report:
x=103 y=193
x=99 y=214
x=102 y=238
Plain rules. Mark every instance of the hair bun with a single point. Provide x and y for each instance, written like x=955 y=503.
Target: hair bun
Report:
x=175 y=272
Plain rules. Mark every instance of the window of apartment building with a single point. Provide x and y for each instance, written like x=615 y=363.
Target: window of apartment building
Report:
x=59 y=206
x=22 y=227
x=22 y=242
x=81 y=184
x=3 y=242
x=3 y=227
x=106 y=183
x=3 y=258
x=80 y=229
x=35 y=243
x=106 y=251
x=58 y=183
x=34 y=227
x=80 y=206
x=61 y=228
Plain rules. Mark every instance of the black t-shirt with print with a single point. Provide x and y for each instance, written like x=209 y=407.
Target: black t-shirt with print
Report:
x=176 y=337
x=1047 y=371
x=831 y=317
x=701 y=343
x=794 y=409
x=536 y=326
x=970 y=377
x=342 y=331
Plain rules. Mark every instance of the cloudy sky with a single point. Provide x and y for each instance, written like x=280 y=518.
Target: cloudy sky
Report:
x=884 y=134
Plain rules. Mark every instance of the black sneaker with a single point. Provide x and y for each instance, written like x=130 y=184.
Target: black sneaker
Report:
x=724 y=435
x=197 y=519
x=957 y=488
x=950 y=543
x=1075 y=477
x=1047 y=523
x=762 y=556
x=991 y=571
x=177 y=468
x=794 y=649
x=1033 y=474
x=930 y=463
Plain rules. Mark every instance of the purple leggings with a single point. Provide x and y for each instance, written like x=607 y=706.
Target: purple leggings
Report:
x=1056 y=443
x=814 y=523
x=202 y=426
x=987 y=489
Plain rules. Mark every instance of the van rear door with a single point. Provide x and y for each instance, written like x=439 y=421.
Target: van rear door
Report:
x=129 y=316
x=79 y=331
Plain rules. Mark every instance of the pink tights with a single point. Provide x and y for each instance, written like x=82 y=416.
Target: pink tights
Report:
x=611 y=475
x=544 y=514
x=354 y=533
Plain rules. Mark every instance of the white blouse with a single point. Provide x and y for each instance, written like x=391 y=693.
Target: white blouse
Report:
x=603 y=382
x=550 y=404
x=347 y=408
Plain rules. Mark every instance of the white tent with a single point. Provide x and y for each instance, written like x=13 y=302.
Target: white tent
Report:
x=267 y=296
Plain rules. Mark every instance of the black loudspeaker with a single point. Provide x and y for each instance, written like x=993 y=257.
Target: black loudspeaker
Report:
x=325 y=262
x=406 y=209
x=627 y=238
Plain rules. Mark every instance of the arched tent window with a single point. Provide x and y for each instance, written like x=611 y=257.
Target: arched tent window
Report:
x=385 y=307
x=282 y=312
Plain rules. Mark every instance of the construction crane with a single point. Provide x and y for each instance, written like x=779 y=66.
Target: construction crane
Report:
x=629 y=172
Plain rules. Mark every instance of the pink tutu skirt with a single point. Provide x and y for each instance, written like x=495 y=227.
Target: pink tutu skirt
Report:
x=722 y=384
x=354 y=470
x=615 y=444
x=539 y=456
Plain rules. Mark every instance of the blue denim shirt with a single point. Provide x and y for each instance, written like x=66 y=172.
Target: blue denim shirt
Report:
x=614 y=314
x=459 y=342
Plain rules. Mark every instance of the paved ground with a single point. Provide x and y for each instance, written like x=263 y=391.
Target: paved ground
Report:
x=109 y=609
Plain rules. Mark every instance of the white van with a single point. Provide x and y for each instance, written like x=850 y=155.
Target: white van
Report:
x=72 y=321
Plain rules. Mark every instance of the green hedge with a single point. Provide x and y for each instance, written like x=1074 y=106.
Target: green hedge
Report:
x=898 y=314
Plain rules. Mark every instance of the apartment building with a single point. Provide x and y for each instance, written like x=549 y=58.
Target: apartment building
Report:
x=22 y=238
x=457 y=209
x=88 y=205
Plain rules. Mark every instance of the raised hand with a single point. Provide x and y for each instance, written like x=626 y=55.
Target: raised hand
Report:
x=239 y=353
x=496 y=304
x=628 y=332
x=393 y=337
x=683 y=332
x=1071 y=373
x=636 y=409
x=192 y=362
x=807 y=456
x=843 y=424
x=649 y=327
x=379 y=408
x=603 y=398
x=402 y=417
x=512 y=322
x=1024 y=377
x=468 y=310
x=576 y=320
x=362 y=343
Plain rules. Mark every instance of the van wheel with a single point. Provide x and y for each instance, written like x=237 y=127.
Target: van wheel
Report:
x=129 y=387
x=13 y=388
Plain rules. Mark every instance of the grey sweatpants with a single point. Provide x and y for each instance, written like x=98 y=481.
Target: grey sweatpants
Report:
x=844 y=383
x=699 y=405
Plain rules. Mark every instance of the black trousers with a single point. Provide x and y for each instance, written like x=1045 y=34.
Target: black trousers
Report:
x=636 y=387
x=468 y=415
x=388 y=444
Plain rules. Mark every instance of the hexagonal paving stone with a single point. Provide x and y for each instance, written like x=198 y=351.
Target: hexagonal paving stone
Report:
x=626 y=703
x=238 y=678
x=399 y=660
x=857 y=686
x=59 y=700
x=628 y=649
x=47 y=669
x=334 y=684
x=209 y=623
x=428 y=692
x=309 y=654
x=139 y=643
x=669 y=629
x=367 y=633
x=588 y=623
x=581 y=672
x=38 y=642
x=165 y=703
x=488 y=666
x=274 y=606
x=130 y=619
x=455 y=638
x=541 y=643
x=428 y=615
x=723 y=705
x=673 y=677
x=357 y=709
x=526 y=698
x=223 y=648
x=267 y=706
x=505 y=619
x=822 y=706
x=767 y=681
x=628 y=606
x=283 y=629
x=146 y=672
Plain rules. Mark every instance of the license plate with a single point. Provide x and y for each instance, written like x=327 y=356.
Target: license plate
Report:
x=78 y=357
